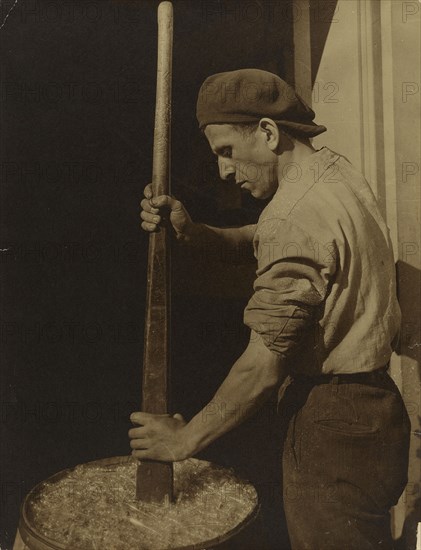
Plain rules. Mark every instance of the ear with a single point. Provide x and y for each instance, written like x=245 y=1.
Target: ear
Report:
x=271 y=133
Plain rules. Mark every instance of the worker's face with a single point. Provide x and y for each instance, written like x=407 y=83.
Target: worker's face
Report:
x=249 y=160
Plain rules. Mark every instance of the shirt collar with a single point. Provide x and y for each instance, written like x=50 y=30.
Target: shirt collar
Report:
x=299 y=179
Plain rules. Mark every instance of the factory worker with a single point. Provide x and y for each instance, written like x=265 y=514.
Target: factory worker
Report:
x=323 y=318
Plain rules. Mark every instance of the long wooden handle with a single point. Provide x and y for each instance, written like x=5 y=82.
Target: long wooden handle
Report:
x=154 y=480
x=162 y=130
x=156 y=359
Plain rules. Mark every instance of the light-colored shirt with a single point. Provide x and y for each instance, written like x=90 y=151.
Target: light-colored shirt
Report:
x=325 y=293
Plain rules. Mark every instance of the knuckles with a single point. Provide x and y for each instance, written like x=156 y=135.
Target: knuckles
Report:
x=148 y=226
x=145 y=204
x=148 y=217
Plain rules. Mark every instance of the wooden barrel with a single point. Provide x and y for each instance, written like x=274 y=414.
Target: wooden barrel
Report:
x=212 y=506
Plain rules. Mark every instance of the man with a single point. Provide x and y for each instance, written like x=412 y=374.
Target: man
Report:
x=323 y=318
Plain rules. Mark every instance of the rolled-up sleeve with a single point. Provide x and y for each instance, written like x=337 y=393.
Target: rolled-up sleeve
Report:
x=295 y=271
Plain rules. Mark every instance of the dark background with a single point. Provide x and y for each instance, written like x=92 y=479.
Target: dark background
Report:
x=78 y=94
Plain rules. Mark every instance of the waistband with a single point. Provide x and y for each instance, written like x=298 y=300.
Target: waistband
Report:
x=346 y=378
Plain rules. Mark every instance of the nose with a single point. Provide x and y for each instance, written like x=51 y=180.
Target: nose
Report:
x=226 y=167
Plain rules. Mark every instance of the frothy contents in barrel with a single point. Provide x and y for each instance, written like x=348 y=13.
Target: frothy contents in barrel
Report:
x=94 y=508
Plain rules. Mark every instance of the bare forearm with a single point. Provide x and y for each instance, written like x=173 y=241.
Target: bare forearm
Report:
x=250 y=382
x=248 y=385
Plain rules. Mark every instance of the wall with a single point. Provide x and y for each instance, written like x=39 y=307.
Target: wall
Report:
x=366 y=90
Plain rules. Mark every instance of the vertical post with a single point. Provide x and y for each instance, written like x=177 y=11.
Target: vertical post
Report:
x=154 y=480
x=302 y=48
x=402 y=21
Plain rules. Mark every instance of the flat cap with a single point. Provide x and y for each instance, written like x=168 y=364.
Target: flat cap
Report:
x=248 y=95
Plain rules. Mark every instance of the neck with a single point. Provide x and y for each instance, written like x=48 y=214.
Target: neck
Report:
x=297 y=155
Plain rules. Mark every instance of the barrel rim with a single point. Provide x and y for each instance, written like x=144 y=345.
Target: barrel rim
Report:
x=44 y=543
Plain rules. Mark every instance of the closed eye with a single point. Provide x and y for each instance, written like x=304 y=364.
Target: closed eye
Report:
x=225 y=152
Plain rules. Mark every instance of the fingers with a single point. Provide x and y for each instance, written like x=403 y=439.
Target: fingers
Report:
x=149 y=215
x=138 y=436
x=151 y=206
x=156 y=436
x=165 y=201
x=148 y=191
x=140 y=417
x=150 y=218
x=140 y=443
x=150 y=202
x=137 y=433
x=145 y=205
x=148 y=227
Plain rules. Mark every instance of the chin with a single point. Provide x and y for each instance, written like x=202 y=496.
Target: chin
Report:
x=256 y=193
x=262 y=195
x=261 y=192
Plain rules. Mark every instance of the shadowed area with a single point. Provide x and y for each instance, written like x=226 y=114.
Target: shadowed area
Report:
x=78 y=96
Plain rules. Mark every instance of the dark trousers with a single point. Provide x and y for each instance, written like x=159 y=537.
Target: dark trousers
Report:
x=345 y=460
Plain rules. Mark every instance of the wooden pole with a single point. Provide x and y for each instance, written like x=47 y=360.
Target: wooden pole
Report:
x=154 y=480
